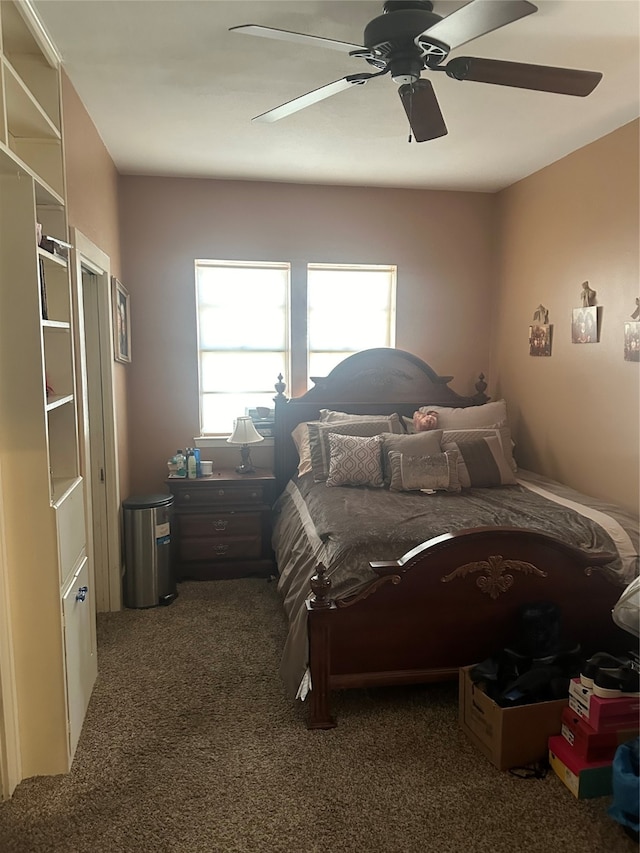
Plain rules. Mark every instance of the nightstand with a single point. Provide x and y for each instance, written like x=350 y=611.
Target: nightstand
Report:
x=222 y=525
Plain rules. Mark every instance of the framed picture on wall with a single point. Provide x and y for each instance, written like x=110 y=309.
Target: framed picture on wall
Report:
x=121 y=322
x=540 y=339
x=584 y=325
x=632 y=341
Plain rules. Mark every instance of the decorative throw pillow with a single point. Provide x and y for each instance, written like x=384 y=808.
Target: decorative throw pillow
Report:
x=300 y=436
x=418 y=444
x=501 y=430
x=327 y=416
x=319 y=440
x=433 y=473
x=354 y=461
x=469 y=417
x=481 y=462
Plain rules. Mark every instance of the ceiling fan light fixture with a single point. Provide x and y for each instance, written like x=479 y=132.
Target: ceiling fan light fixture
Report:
x=405 y=69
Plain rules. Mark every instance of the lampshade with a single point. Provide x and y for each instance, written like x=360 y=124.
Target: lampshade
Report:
x=245 y=432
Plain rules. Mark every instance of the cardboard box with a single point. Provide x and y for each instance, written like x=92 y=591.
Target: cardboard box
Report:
x=603 y=714
x=584 y=779
x=589 y=744
x=508 y=737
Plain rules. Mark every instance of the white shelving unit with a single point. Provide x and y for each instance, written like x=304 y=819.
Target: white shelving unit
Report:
x=50 y=579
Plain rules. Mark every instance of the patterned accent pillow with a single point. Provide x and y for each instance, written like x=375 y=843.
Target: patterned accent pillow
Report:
x=432 y=473
x=501 y=430
x=355 y=461
x=419 y=444
x=482 y=463
x=319 y=440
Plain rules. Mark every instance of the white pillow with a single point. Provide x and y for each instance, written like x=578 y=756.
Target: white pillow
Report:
x=469 y=417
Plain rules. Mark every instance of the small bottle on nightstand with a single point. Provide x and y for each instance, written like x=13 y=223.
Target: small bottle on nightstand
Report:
x=192 y=472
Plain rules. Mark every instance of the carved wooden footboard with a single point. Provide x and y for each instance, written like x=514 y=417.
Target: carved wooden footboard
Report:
x=451 y=602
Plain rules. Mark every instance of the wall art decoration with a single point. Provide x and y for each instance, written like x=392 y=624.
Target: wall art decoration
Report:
x=632 y=341
x=587 y=295
x=632 y=336
x=584 y=325
x=540 y=333
x=121 y=322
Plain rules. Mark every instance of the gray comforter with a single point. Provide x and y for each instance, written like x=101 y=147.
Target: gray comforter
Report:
x=346 y=527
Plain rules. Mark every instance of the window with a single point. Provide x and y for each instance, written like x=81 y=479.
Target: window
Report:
x=248 y=334
x=349 y=308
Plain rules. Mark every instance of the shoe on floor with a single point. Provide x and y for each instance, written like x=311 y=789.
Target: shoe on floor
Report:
x=614 y=683
x=601 y=660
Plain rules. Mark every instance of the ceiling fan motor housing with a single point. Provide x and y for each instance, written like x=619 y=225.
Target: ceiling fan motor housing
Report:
x=391 y=37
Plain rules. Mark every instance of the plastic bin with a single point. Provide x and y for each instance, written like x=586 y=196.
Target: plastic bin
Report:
x=149 y=578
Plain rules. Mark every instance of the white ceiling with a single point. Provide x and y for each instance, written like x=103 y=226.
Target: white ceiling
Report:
x=172 y=92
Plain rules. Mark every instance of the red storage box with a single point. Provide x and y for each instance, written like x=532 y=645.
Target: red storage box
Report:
x=584 y=779
x=589 y=744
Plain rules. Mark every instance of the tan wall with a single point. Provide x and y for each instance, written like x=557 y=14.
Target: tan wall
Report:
x=443 y=244
x=92 y=193
x=576 y=413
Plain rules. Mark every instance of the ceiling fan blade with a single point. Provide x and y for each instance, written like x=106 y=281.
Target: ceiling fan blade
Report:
x=313 y=97
x=423 y=111
x=541 y=78
x=301 y=38
x=477 y=18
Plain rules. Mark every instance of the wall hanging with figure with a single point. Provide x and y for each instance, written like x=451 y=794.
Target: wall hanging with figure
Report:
x=585 y=325
x=540 y=333
x=632 y=336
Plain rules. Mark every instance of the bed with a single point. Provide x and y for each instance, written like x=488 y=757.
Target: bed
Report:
x=387 y=585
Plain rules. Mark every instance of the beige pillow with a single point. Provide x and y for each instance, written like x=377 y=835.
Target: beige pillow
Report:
x=300 y=436
x=319 y=439
x=354 y=461
x=481 y=462
x=429 y=473
x=327 y=416
x=469 y=417
x=502 y=430
x=418 y=444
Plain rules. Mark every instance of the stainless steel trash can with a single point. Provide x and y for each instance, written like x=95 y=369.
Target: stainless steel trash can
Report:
x=149 y=578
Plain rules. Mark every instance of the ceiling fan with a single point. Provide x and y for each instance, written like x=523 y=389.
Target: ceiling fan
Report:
x=410 y=37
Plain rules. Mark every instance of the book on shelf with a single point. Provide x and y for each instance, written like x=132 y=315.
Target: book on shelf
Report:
x=55 y=246
x=43 y=289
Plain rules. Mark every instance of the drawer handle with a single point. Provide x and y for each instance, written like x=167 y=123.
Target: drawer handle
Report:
x=220 y=549
x=82 y=593
x=221 y=492
x=186 y=497
x=254 y=494
x=220 y=524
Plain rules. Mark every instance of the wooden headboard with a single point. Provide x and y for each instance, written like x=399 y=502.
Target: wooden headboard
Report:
x=374 y=381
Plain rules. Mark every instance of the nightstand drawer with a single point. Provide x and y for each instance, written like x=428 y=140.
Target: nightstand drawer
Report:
x=236 y=548
x=227 y=494
x=222 y=525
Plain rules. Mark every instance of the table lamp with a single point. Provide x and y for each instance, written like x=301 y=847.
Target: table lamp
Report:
x=245 y=434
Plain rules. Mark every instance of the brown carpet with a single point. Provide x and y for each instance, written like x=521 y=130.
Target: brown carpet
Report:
x=189 y=746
